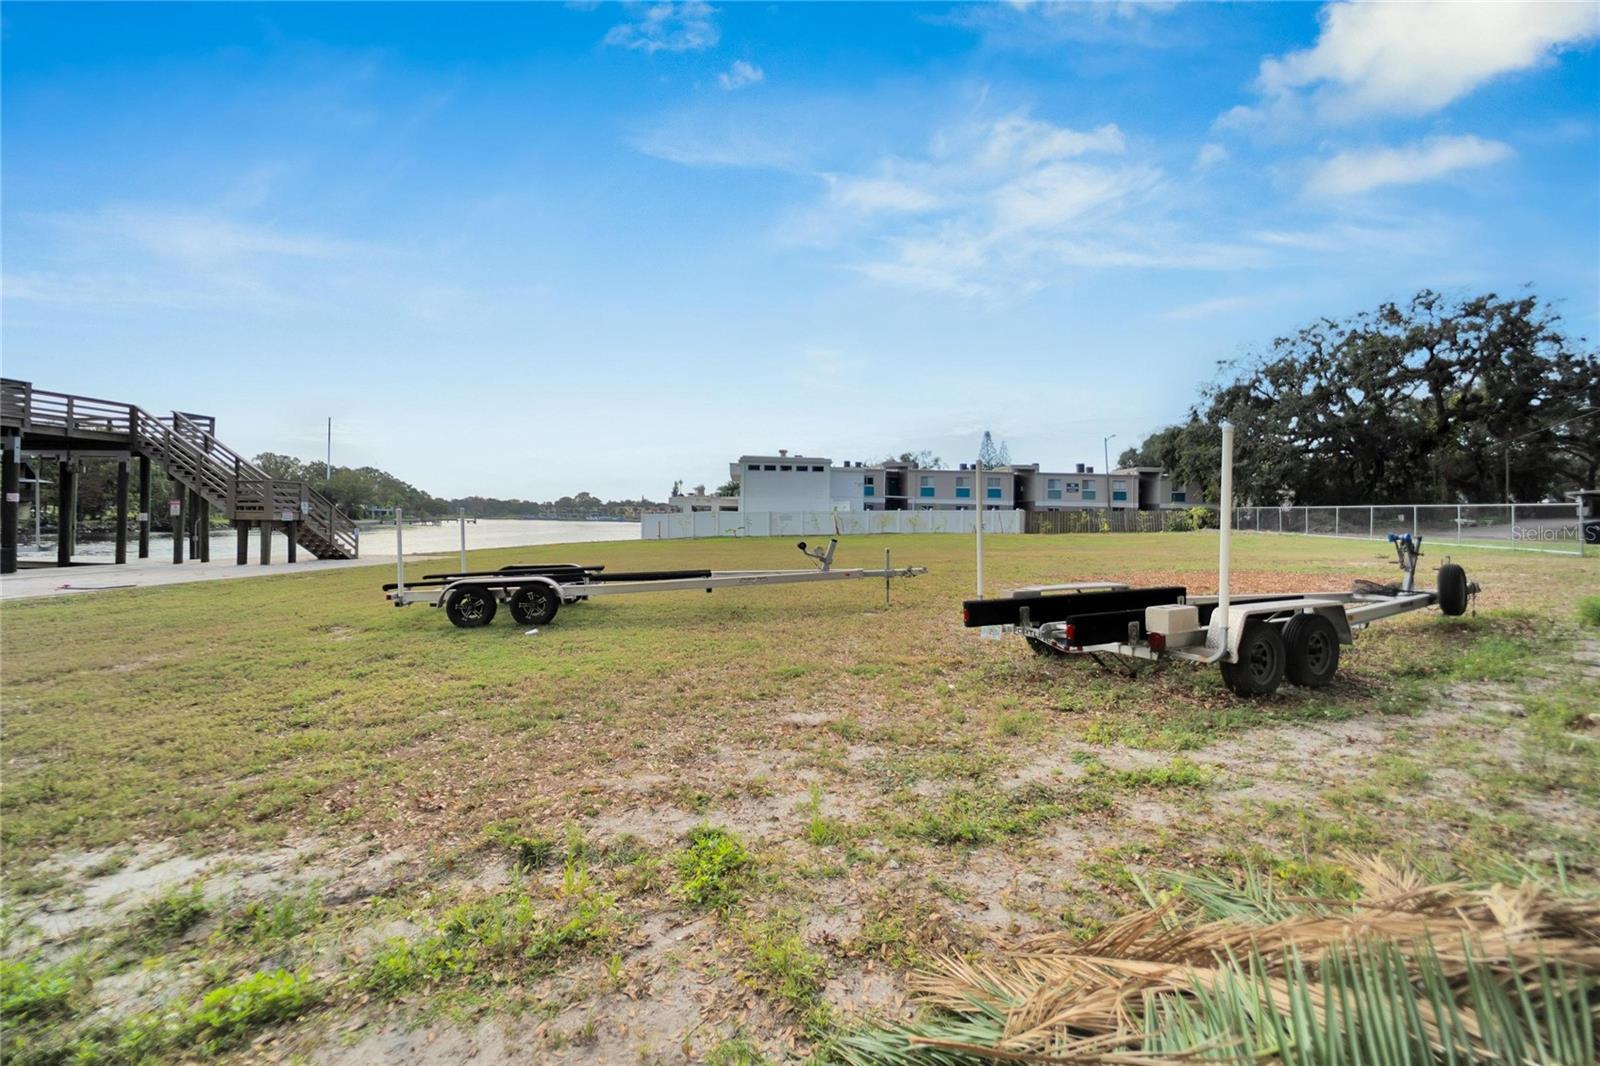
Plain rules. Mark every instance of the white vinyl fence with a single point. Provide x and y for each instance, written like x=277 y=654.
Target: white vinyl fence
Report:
x=1549 y=527
x=677 y=525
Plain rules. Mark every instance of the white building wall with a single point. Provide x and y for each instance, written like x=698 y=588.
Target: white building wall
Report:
x=807 y=489
x=844 y=488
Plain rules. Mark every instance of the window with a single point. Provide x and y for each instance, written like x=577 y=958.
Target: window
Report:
x=769 y=466
x=991 y=488
x=1180 y=496
x=816 y=470
x=1088 y=492
x=963 y=487
x=786 y=467
x=753 y=467
x=925 y=485
x=867 y=487
x=1052 y=488
x=1119 y=490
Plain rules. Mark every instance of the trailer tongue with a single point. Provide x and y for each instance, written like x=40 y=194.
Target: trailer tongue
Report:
x=1256 y=640
x=535 y=593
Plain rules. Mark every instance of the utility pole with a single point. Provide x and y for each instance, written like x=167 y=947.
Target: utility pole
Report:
x=327 y=466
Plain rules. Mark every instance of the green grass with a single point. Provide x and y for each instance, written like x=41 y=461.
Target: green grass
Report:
x=1589 y=610
x=232 y=717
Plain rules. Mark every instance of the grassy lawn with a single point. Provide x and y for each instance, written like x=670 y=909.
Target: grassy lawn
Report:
x=280 y=818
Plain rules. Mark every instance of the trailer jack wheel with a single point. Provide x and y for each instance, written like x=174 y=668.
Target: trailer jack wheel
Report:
x=1313 y=647
x=535 y=606
x=470 y=608
x=1452 y=585
x=1262 y=658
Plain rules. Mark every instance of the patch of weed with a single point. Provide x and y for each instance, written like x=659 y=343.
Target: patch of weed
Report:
x=170 y=915
x=227 y=1014
x=980 y=815
x=29 y=991
x=711 y=867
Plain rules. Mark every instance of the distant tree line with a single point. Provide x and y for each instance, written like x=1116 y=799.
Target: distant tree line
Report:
x=1427 y=401
x=353 y=489
x=583 y=504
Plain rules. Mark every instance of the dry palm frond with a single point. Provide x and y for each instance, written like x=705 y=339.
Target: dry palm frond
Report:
x=1410 y=972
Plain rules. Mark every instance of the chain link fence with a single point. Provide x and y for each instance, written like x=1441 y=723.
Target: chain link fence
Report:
x=1549 y=527
x=1116 y=520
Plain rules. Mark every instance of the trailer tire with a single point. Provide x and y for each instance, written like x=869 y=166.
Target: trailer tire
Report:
x=470 y=607
x=535 y=605
x=1262 y=658
x=1452 y=589
x=1313 y=647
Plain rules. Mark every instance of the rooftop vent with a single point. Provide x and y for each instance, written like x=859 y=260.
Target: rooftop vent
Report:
x=783 y=451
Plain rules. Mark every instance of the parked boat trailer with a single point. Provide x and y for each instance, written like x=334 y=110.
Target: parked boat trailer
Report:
x=534 y=593
x=1256 y=640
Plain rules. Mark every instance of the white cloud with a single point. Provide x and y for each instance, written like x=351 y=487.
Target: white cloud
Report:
x=740 y=74
x=1210 y=155
x=1411 y=58
x=1221 y=305
x=1362 y=170
x=1001 y=207
x=668 y=27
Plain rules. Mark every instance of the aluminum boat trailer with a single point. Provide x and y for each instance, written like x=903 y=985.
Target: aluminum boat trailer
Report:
x=534 y=593
x=1256 y=640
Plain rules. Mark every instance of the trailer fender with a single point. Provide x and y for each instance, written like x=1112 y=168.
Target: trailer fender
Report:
x=1279 y=612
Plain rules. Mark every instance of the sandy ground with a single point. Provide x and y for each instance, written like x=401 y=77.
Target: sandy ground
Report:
x=95 y=572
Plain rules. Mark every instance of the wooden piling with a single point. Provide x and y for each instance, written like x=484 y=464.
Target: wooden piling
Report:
x=144 y=507
x=122 y=511
x=203 y=528
x=242 y=530
x=11 y=484
x=293 y=530
x=66 y=512
x=180 y=524
x=266 y=543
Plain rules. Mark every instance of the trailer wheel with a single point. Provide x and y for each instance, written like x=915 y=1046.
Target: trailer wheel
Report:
x=535 y=605
x=1313 y=647
x=471 y=607
x=1452 y=589
x=1262 y=657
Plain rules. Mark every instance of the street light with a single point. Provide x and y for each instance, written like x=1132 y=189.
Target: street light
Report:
x=1106 y=448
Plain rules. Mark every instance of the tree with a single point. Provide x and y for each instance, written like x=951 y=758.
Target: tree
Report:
x=991 y=454
x=923 y=460
x=1426 y=401
x=728 y=488
x=677 y=488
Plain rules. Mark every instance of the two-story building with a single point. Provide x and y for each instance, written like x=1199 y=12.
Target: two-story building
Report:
x=786 y=483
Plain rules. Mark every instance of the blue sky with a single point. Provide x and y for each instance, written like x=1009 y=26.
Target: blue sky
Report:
x=528 y=250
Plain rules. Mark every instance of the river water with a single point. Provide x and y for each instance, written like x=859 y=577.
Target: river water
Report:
x=379 y=542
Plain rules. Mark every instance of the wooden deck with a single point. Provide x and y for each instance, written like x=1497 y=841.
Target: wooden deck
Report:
x=65 y=429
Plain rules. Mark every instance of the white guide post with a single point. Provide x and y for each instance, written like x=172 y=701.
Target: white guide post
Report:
x=399 y=554
x=1225 y=541
x=977 y=481
x=463 y=518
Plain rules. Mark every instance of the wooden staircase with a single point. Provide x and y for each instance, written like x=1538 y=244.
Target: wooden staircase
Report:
x=187 y=447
